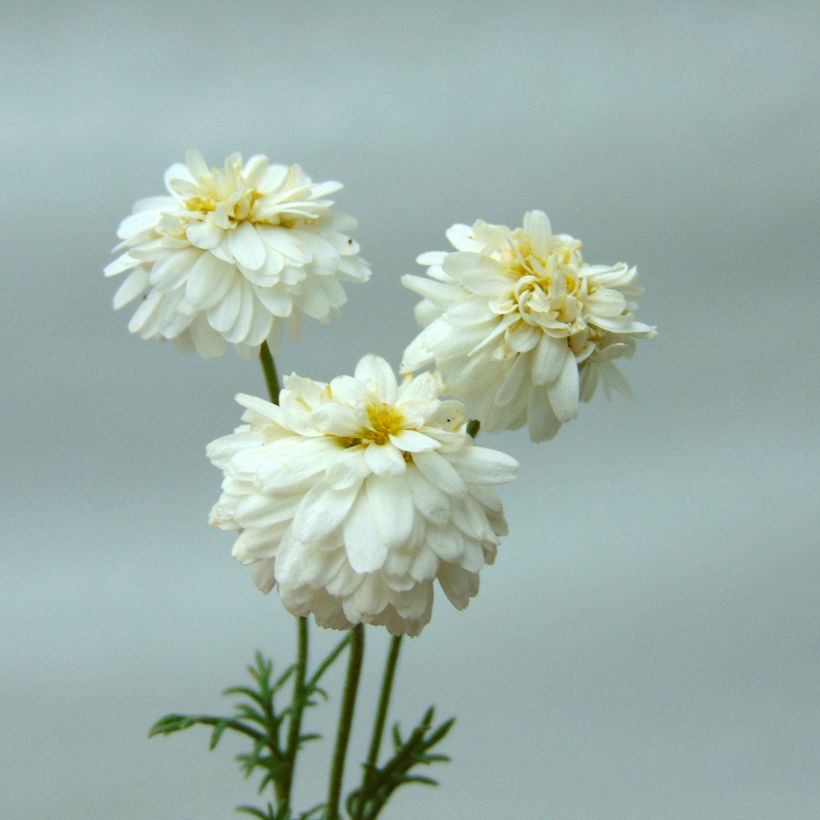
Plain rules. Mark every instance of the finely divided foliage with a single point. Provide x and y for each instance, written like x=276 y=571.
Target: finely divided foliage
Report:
x=354 y=497
x=520 y=326
x=233 y=253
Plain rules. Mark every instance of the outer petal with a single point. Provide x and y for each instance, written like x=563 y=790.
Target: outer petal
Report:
x=365 y=549
x=321 y=511
x=376 y=372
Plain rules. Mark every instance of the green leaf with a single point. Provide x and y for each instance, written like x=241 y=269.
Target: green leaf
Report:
x=283 y=678
x=254 y=812
x=379 y=783
x=217 y=734
x=168 y=724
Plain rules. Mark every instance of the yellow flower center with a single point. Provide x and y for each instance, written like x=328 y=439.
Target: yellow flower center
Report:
x=537 y=278
x=384 y=420
x=241 y=210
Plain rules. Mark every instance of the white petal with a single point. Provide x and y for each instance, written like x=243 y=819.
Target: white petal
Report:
x=204 y=235
x=120 y=265
x=420 y=388
x=144 y=314
x=480 y=465
x=430 y=258
x=300 y=463
x=446 y=541
x=441 y=293
x=431 y=502
x=537 y=225
x=365 y=549
x=281 y=241
x=260 y=327
x=541 y=420
x=523 y=337
x=263 y=575
x=196 y=164
x=458 y=584
x=513 y=381
x=252 y=545
x=132 y=287
x=440 y=473
x=391 y=508
x=246 y=246
x=411 y=441
x=208 y=279
x=321 y=511
x=376 y=372
x=313 y=302
x=563 y=393
x=244 y=319
x=424 y=565
x=137 y=223
x=172 y=268
x=613 y=379
x=335 y=419
x=279 y=303
x=463 y=238
x=207 y=341
x=384 y=459
x=223 y=315
x=548 y=360
x=347 y=469
x=348 y=390
x=478 y=273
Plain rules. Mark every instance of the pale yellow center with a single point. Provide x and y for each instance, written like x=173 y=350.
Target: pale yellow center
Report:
x=242 y=210
x=385 y=420
x=536 y=276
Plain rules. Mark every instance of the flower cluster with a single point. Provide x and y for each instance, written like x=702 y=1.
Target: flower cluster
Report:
x=520 y=326
x=353 y=497
x=233 y=253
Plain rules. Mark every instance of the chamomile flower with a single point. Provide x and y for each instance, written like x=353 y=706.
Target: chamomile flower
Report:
x=231 y=254
x=355 y=498
x=520 y=326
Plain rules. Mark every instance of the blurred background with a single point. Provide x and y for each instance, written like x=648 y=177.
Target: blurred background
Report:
x=647 y=644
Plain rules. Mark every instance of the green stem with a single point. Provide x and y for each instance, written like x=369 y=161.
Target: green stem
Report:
x=269 y=368
x=282 y=786
x=384 y=703
x=354 y=668
x=297 y=708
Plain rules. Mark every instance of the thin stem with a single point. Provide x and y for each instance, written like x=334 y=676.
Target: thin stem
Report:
x=297 y=708
x=354 y=668
x=269 y=368
x=384 y=703
x=282 y=786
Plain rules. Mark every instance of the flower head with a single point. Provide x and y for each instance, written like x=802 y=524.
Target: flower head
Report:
x=520 y=326
x=233 y=253
x=353 y=497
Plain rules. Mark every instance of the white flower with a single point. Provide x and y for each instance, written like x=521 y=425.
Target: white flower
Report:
x=233 y=253
x=354 y=496
x=520 y=326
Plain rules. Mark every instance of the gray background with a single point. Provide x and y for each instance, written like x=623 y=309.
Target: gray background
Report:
x=647 y=645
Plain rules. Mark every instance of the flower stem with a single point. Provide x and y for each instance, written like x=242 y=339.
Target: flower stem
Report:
x=282 y=787
x=297 y=708
x=384 y=703
x=269 y=368
x=354 y=668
